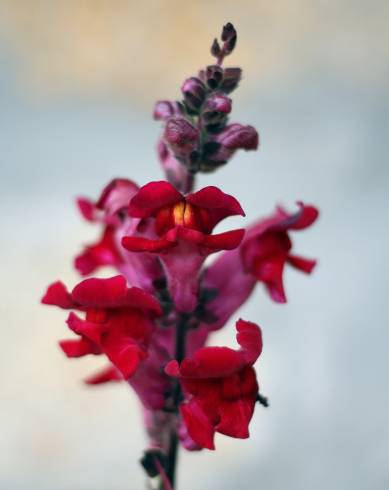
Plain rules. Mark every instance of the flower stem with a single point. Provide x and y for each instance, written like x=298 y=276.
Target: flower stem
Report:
x=179 y=356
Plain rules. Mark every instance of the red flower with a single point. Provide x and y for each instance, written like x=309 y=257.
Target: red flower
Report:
x=182 y=233
x=267 y=248
x=118 y=321
x=220 y=387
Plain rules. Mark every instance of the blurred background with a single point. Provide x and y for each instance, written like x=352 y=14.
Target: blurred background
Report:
x=78 y=79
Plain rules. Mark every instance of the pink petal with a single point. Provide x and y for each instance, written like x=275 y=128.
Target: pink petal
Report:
x=233 y=285
x=117 y=195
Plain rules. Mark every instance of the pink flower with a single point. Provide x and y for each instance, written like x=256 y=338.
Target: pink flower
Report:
x=118 y=321
x=110 y=211
x=183 y=227
x=267 y=248
x=114 y=198
x=220 y=387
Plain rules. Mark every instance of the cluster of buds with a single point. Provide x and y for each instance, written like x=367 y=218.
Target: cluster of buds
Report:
x=197 y=136
x=153 y=319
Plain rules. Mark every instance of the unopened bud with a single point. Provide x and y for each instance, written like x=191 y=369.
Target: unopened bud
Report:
x=216 y=108
x=164 y=109
x=213 y=76
x=236 y=136
x=181 y=137
x=194 y=93
x=231 y=79
x=229 y=37
x=215 y=49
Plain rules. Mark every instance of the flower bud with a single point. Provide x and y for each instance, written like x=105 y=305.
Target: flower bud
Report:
x=236 y=136
x=215 y=49
x=194 y=93
x=229 y=37
x=181 y=137
x=216 y=108
x=231 y=79
x=213 y=75
x=164 y=109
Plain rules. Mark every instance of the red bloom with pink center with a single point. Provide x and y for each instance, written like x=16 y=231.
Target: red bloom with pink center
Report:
x=114 y=198
x=220 y=387
x=267 y=248
x=111 y=211
x=118 y=321
x=182 y=228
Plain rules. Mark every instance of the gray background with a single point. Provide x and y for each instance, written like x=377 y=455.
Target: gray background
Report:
x=316 y=89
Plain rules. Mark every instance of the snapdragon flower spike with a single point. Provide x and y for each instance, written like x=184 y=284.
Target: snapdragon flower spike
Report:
x=183 y=233
x=118 y=321
x=267 y=248
x=220 y=387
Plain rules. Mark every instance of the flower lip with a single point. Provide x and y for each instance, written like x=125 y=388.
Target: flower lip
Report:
x=101 y=293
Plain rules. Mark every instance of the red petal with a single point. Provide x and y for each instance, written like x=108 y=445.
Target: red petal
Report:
x=305 y=217
x=125 y=357
x=235 y=417
x=224 y=241
x=172 y=369
x=199 y=426
x=301 y=263
x=212 y=362
x=101 y=293
x=139 y=244
x=91 y=331
x=212 y=197
x=78 y=347
x=249 y=337
x=219 y=204
x=138 y=298
x=87 y=208
x=152 y=197
x=107 y=375
x=58 y=295
x=104 y=252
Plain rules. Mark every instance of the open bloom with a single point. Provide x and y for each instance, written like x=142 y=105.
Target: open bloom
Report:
x=118 y=321
x=110 y=211
x=183 y=233
x=115 y=197
x=220 y=387
x=267 y=248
